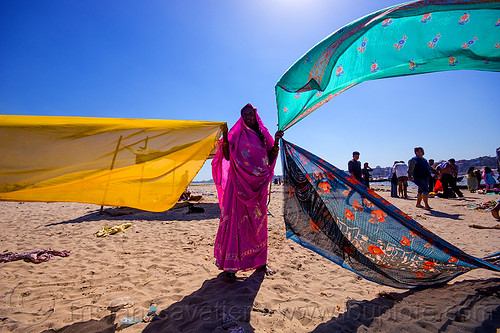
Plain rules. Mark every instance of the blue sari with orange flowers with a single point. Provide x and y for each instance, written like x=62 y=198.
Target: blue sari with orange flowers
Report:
x=331 y=213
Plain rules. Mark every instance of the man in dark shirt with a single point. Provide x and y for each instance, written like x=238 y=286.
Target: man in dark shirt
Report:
x=419 y=173
x=354 y=167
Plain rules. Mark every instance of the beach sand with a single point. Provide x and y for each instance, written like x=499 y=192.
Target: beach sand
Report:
x=167 y=259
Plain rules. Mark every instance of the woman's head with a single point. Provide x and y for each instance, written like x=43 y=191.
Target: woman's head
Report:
x=471 y=170
x=248 y=115
x=487 y=170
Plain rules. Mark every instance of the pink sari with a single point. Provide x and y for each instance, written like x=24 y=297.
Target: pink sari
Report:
x=241 y=242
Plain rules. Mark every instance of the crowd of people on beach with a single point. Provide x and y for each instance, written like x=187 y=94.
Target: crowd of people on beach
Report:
x=442 y=181
x=432 y=179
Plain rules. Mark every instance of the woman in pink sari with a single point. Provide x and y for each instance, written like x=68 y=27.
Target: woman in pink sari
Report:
x=242 y=169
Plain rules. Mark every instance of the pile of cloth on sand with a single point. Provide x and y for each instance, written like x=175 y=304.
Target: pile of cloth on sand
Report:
x=106 y=231
x=35 y=256
x=484 y=206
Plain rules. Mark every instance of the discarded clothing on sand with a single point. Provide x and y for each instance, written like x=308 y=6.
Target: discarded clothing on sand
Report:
x=484 y=206
x=36 y=256
x=106 y=231
x=149 y=317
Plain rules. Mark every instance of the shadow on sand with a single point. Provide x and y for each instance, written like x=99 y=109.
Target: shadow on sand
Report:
x=211 y=211
x=470 y=306
x=439 y=214
x=220 y=305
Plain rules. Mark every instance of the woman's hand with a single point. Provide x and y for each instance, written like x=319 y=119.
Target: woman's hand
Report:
x=278 y=135
x=225 y=142
x=276 y=148
x=224 y=128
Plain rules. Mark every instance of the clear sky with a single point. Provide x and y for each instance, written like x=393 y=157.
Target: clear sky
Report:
x=204 y=60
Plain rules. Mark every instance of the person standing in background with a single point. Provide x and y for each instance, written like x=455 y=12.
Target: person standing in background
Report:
x=479 y=177
x=366 y=174
x=419 y=173
x=393 y=179
x=498 y=163
x=489 y=178
x=434 y=175
x=401 y=171
x=471 y=180
x=454 y=172
x=354 y=167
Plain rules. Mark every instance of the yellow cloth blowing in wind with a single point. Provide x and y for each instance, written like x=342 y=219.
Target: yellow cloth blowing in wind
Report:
x=145 y=164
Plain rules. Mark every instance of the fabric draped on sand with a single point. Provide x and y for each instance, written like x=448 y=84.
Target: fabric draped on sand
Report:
x=241 y=242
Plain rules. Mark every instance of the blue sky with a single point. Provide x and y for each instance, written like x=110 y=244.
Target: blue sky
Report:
x=203 y=60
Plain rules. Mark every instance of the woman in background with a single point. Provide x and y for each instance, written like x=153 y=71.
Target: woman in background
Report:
x=471 y=180
x=489 y=178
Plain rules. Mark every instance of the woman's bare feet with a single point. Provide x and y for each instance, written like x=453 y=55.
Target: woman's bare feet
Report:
x=266 y=269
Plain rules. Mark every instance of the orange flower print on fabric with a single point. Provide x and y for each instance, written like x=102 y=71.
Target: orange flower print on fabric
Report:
x=357 y=206
x=368 y=203
x=420 y=275
x=345 y=192
x=313 y=226
x=413 y=233
x=378 y=216
x=375 y=250
x=324 y=187
x=405 y=241
x=304 y=160
x=318 y=175
x=348 y=214
x=428 y=265
x=348 y=249
x=291 y=192
x=452 y=259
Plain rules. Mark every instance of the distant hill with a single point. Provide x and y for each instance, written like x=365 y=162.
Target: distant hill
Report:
x=211 y=181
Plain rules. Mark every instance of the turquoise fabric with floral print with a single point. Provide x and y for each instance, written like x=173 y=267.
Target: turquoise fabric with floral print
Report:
x=411 y=38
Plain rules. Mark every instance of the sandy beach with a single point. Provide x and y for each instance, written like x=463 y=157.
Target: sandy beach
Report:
x=166 y=259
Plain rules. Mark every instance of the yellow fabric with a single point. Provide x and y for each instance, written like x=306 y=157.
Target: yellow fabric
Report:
x=106 y=231
x=145 y=164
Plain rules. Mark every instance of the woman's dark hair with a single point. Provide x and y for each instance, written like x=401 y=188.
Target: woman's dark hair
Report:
x=471 y=170
x=487 y=170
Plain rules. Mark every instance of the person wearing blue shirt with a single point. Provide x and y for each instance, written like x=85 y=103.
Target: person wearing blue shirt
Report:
x=419 y=173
